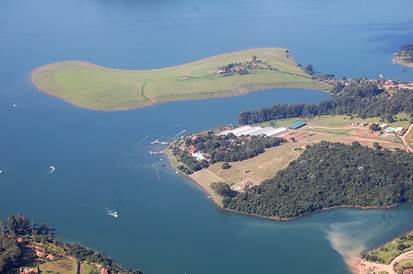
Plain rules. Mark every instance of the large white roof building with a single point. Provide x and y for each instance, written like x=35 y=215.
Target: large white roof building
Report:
x=254 y=131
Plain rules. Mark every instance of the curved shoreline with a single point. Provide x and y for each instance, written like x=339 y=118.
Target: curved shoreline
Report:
x=219 y=205
x=403 y=63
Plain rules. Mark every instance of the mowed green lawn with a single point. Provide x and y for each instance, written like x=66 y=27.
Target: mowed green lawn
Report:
x=91 y=86
x=394 y=248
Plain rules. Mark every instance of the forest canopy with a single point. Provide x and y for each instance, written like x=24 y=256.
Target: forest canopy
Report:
x=360 y=98
x=330 y=175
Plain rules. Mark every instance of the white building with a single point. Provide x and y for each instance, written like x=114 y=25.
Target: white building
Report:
x=254 y=131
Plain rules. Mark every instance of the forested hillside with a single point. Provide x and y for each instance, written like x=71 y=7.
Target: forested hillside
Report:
x=329 y=175
x=18 y=236
x=360 y=98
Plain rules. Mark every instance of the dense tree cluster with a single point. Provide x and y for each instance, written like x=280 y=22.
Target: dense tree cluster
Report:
x=225 y=191
x=14 y=226
x=221 y=148
x=11 y=251
x=309 y=69
x=189 y=164
x=85 y=254
x=331 y=175
x=360 y=98
x=225 y=166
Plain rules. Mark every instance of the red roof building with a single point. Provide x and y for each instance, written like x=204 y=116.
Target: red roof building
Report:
x=192 y=148
x=104 y=271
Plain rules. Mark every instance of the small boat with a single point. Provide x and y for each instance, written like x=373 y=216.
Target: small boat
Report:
x=1 y=171
x=14 y=105
x=112 y=213
x=51 y=169
x=157 y=141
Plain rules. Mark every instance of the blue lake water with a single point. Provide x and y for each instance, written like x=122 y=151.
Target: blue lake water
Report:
x=167 y=224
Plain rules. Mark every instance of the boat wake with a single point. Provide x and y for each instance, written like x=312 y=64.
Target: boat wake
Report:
x=51 y=169
x=112 y=213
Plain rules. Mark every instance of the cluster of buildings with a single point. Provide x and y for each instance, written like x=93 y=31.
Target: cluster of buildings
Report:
x=393 y=84
x=387 y=85
x=42 y=254
x=398 y=130
x=28 y=270
x=257 y=130
x=383 y=128
x=243 y=68
x=242 y=186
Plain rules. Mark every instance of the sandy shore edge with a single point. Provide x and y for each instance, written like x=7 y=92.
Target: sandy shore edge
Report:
x=218 y=203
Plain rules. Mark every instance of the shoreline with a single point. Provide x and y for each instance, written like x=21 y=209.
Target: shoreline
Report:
x=272 y=218
x=403 y=63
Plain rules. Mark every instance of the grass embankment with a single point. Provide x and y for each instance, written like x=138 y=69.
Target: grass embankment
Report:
x=265 y=166
x=392 y=249
x=95 y=87
x=62 y=266
x=67 y=265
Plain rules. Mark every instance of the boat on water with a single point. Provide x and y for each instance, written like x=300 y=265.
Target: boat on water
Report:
x=51 y=169
x=157 y=141
x=112 y=213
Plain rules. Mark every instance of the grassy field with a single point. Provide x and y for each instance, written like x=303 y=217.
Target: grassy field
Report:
x=332 y=121
x=406 y=263
x=89 y=269
x=67 y=266
x=255 y=170
x=394 y=248
x=63 y=266
x=95 y=87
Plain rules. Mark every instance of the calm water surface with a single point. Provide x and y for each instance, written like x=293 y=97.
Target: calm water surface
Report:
x=167 y=224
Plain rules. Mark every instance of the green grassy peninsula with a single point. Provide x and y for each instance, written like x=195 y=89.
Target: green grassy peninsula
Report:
x=95 y=87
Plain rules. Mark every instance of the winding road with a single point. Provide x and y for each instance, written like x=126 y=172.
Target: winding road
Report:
x=403 y=138
x=367 y=266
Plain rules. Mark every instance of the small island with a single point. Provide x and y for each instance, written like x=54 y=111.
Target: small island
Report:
x=405 y=56
x=95 y=87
